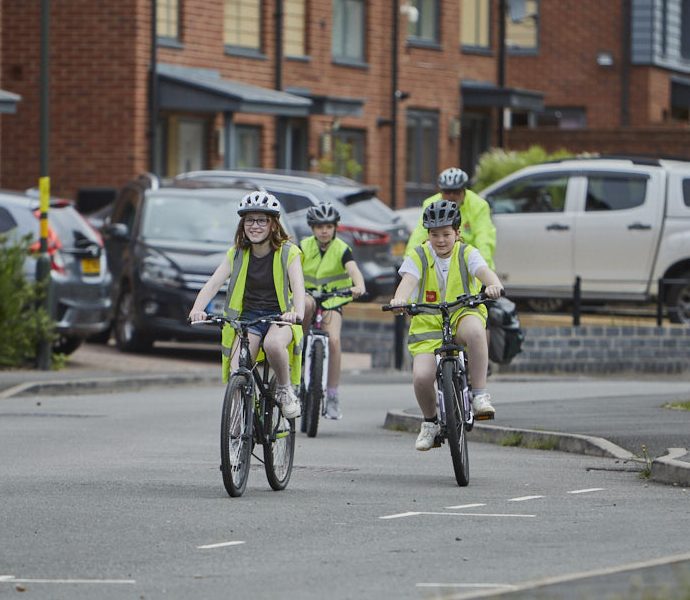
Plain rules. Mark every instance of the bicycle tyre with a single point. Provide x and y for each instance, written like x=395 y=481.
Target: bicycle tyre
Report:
x=279 y=445
x=455 y=426
x=236 y=436
x=314 y=395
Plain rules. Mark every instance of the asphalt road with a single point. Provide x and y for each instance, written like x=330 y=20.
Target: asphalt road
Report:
x=119 y=496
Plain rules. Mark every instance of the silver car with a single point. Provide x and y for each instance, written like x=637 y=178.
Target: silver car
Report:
x=80 y=281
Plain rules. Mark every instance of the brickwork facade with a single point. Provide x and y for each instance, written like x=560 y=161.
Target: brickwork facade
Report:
x=100 y=56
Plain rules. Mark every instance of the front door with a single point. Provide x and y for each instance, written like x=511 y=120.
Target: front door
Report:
x=191 y=145
x=474 y=140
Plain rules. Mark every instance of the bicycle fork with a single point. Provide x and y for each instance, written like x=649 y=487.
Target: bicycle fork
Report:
x=316 y=337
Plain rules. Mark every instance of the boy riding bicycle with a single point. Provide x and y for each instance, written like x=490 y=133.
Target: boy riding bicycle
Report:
x=441 y=269
x=328 y=264
x=265 y=279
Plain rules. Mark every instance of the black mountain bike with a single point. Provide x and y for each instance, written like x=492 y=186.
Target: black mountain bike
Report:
x=315 y=371
x=251 y=416
x=454 y=389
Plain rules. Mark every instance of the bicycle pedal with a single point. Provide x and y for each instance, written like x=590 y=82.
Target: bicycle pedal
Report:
x=438 y=442
x=484 y=417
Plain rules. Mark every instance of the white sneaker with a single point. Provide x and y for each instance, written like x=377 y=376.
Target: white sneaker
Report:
x=288 y=402
x=427 y=436
x=481 y=406
x=333 y=408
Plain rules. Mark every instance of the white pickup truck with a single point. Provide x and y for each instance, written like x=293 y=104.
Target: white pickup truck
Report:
x=619 y=224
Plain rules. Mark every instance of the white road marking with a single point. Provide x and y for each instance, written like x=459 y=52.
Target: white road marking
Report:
x=523 y=498
x=503 y=586
x=586 y=491
x=220 y=545
x=397 y=516
x=459 y=506
x=13 y=579
x=458 y=514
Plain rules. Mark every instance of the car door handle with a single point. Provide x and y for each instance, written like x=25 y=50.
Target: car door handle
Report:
x=557 y=227
x=639 y=226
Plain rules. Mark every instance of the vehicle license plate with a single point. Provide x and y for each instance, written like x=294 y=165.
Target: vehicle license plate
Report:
x=398 y=249
x=91 y=266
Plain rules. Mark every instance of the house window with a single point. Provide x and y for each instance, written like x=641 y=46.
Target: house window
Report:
x=425 y=29
x=421 y=167
x=474 y=24
x=248 y=146
x=563 y=117
x=348 y=153
x=522 y=26
x=294 y=21
x=168 y=19
x=685 y=29
x=348 y=30
x=242 y=27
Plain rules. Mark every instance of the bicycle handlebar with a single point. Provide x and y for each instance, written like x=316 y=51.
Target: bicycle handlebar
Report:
x=465 y=300
x=326 y=294
x=215 y=319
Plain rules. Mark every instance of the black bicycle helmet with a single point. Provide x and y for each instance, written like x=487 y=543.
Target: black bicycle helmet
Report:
x=322 y=214
x=261 y=202
x=453 y=179
x=440 y=214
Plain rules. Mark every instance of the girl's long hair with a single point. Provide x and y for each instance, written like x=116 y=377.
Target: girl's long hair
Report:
x=277 y=235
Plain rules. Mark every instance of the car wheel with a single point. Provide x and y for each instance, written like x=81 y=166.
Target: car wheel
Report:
x=100 y=338
x=679 y=301
x=128 y=337
x=545 y=305
x=66 y=344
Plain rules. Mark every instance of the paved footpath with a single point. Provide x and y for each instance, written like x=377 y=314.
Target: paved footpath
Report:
x=624 y=419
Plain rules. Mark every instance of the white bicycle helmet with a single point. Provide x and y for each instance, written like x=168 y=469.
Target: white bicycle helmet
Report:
x=322 y=214
x=440 y=214
x=260 y=201
x=453 y=179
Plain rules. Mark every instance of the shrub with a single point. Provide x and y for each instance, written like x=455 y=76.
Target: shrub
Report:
x=497 y=163
x=23 y=321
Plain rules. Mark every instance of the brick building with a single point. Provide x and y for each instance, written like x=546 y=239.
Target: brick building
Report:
x=412 y=86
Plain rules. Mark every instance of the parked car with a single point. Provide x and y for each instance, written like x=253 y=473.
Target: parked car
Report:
x=163 y=241
x=376 y=236
x=619 y=224
x=80 y=280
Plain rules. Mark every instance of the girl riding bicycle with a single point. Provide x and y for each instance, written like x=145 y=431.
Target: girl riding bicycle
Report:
x=328 y=264
x=265 y=279
x=442 y=269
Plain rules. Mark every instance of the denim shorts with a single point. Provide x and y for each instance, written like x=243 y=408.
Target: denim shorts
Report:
x=259 y=329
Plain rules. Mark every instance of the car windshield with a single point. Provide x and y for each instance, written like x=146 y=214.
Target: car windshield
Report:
x=192 y=218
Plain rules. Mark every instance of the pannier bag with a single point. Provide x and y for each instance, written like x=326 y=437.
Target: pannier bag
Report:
x=505 y=334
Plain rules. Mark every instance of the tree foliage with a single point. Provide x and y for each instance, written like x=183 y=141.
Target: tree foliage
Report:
x=23 y=321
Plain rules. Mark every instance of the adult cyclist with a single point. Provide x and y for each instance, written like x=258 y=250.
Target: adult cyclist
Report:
x=475 y=215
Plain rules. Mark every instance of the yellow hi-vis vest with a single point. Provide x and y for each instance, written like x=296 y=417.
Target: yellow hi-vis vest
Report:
x=325 y=272
x=239 y=260
x=425 y=333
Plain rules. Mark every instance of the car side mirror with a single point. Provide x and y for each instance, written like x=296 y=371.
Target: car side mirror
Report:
x=118 y=231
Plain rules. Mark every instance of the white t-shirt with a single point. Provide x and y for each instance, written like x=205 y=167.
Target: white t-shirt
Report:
x=475 y=261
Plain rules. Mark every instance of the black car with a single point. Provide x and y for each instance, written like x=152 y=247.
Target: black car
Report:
x=79 y=278
x=163 y=242
x=373 y=231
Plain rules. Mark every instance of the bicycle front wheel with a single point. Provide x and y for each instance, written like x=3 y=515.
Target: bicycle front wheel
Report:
x=314 y=395
x=279 y=443
x=455 y=425
x=236 y=435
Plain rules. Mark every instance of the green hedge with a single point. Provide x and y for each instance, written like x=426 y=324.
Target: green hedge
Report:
x=22 y=321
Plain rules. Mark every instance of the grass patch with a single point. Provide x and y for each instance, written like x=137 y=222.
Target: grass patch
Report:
x=678 y=405
x=512 y=439
x=547 y=443
x=646 y=471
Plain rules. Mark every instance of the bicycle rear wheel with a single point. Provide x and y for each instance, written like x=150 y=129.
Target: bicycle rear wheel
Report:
x=314 y=395
x=279 y=445
x=236 y=435
x=455 y=426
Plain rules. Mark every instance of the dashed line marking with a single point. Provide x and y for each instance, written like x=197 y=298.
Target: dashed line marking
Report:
x=13 y=579
x=219 y=545
x=523 y=498
x=503 y=586
x=586 y=491
x=459 y=506
x=399 y=515
x=455 y=514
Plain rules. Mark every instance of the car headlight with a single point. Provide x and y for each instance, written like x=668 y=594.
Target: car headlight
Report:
x=157 y=269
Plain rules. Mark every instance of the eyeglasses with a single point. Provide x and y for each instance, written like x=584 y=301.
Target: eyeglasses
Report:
x=261 y=221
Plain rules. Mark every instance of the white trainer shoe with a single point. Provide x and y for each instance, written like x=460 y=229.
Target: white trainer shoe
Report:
x=481 y=406
x=333 y=408
x=288 y=402
x=427 y=435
